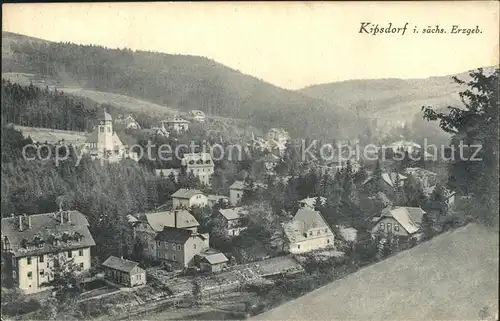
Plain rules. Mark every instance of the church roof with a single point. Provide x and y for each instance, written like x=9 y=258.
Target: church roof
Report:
x=105 y=116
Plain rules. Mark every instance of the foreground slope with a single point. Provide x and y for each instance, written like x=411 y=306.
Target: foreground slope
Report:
x=453 y=276
x=181 y=82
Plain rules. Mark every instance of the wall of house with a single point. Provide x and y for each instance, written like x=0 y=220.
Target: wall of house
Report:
x=198 y=200
x=203 y=172
x=393 y=228
x=137 y=277
x=194 y=245
x=170 y=251
x=317 y=238
x=33 y=271
x=146 y=236
x=234 y=227
x=235 y=196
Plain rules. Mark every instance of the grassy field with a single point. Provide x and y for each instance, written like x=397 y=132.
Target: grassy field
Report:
x=43 y=135
x=453 y=276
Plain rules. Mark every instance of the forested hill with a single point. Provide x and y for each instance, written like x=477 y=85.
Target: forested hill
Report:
x=396 y=99
x=177 y=81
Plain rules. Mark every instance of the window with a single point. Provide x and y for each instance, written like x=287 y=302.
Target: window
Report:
x=48 y=265
x=81 y=265
x=30 y=275
x=194 y=246
x=41 y=258
x=310 y=233
x=109 y=129
x=328 y=241
x=41 y=273
x=396 y=227
x=178 y=247
x=298 y=246
x=80 y=253
x=173 y=257
x=382 y=226
x=389 y=227
x=14 y=275
x=70 y=254
x=158 y=243
x=101 y=129
x=138 y=276
x=28 y=260
x=326 y=230
x=14 y=261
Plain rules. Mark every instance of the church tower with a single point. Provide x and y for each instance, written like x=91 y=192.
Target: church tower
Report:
x=105 y=133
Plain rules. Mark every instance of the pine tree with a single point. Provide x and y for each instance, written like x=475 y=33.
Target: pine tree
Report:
x=477 y=124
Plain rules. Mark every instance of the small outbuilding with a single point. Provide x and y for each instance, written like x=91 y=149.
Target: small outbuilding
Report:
x=211 y=261
x=125 y=272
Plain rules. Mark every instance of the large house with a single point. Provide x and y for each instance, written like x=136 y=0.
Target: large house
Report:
x=175 y=123
x=180 y=245
x=200 y=164
x=104 y=143
x=32 y=245
x=308 y=231
x=234 y=220
x=187 y=198
x=125 y=272
x=197 y=115
x=148 y=225
x=399 y=221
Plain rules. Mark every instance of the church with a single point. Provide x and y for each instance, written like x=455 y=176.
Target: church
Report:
x=104 y=143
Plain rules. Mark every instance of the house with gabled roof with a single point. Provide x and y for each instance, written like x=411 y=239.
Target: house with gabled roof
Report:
x=125 y=272
x=148 y=225
x=187 y=198
x=399 y=221
x=307 y=231
x=211 y=260
x=33 y=244
x=234 y=220
x=180 y=246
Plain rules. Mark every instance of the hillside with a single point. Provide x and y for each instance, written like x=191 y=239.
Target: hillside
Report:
x=451 y=277
x=395 y=99
x=180 y=82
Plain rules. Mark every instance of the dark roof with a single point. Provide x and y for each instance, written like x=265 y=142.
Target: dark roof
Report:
x=119 y=264
x=45 y=228
x=172 y=234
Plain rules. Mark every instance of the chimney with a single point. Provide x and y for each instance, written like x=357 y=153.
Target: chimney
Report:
x=175 y=218
x=61 y=214
x=29 y=222
x=69 y=216
x=20 y=223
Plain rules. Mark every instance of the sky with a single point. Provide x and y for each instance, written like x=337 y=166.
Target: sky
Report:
x=289 y=44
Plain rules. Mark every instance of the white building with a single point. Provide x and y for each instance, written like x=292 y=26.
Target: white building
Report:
x=308 y=231
x=187 y=198
x=32 y=245
x=175 y=123
x=197 y=115
x=104 y=143
x=200 y=164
